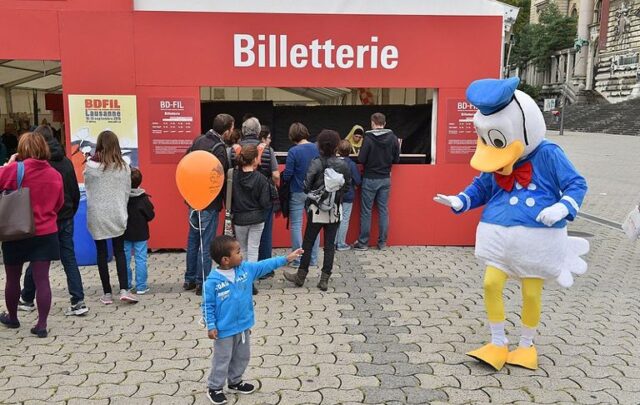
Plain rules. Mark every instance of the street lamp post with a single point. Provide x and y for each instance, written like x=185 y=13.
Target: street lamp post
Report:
x=512 y=42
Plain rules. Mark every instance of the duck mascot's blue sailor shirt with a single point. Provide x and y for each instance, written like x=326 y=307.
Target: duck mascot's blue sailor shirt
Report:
x=554 y=179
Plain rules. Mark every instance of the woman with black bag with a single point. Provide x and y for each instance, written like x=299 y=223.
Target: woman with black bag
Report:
x=47 y=197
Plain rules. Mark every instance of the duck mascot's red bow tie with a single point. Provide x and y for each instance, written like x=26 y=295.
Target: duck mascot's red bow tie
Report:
x=522 y=175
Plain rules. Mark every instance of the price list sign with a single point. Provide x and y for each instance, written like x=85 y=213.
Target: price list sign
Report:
x=172 y=124
x=461 y=134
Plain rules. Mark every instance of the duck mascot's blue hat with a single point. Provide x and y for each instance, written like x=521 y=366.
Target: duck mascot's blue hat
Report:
x=492 y=95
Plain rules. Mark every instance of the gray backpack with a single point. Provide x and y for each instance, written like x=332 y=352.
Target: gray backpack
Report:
x=324 y=197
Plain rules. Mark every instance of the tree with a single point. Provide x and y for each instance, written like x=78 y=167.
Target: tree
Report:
x=523 y=14
x=536 y=42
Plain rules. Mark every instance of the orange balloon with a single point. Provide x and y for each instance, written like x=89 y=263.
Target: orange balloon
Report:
x=200 y=178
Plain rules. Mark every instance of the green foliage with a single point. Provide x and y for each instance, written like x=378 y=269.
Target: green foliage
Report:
x=523 y=14
x=533 y=91
x=536 y=42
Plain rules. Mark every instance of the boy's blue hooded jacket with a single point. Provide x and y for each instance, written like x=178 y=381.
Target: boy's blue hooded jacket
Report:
x=228 y=306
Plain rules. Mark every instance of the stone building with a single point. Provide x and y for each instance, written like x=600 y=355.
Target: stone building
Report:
x=604 y=63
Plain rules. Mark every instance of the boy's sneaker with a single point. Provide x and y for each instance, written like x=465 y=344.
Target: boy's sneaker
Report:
x=128 y=296
x=107 y=299
x=198 y=289
x=78 y=309
x=342 y=248
x=26 y=306
x=216 y=396
x=143 y=291
x=242 y=388
x=382 y=246
x=360 y=246
x=188 y=286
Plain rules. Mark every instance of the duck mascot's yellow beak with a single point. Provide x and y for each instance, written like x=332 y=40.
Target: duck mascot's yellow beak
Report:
x=490 y=159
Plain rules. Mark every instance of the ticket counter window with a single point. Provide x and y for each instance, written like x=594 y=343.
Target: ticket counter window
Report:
x=408 y=113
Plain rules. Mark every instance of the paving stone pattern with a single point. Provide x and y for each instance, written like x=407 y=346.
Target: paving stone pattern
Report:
x=392 y=329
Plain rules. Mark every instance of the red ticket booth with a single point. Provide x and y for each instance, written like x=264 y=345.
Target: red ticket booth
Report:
x=163 y=51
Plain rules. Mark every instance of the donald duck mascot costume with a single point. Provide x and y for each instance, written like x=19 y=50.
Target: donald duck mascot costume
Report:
x=530 y=190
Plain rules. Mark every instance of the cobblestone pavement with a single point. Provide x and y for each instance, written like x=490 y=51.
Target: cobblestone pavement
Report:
x=393 y=327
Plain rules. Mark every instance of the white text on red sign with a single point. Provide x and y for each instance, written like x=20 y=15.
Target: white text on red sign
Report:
x=274 y=51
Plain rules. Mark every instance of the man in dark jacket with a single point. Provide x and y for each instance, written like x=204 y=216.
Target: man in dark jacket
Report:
x=65 y=231
x=199 y=262
x=380 y=150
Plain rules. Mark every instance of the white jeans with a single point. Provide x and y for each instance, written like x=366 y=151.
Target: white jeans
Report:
x=249 y=238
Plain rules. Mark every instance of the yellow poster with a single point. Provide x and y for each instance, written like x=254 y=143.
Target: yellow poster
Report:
x=91 y=114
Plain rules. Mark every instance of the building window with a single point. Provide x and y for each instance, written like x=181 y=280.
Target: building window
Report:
x=597 y=12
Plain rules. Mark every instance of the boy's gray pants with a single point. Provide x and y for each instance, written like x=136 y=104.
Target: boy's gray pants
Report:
x=230 y=359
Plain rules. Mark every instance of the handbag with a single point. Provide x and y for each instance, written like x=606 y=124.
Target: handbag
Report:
x=631 y=224
x=16 y=216
x=228 y=216
x=275 y=197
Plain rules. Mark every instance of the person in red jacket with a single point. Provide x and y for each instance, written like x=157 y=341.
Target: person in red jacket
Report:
x=47 y=197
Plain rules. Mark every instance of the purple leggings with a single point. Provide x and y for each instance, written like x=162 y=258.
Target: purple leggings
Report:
x=43 y=290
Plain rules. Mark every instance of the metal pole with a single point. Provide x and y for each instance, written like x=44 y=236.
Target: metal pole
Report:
x=506 y=68
x=35 y=108
x=563 y=101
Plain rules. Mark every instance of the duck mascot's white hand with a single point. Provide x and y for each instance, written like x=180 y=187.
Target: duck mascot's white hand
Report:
x=550 y=215
x=449 y=200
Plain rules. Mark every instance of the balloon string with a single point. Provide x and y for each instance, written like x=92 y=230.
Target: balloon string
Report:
x=204 y=292
x=191 y=223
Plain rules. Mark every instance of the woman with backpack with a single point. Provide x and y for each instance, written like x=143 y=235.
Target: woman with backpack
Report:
x=322 y=185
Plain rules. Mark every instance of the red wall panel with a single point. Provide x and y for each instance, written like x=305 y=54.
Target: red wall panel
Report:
x=170 y=227
x=29 y=34
x=97 y=52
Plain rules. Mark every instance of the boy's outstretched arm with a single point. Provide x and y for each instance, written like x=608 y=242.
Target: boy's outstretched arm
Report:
x=264 y=267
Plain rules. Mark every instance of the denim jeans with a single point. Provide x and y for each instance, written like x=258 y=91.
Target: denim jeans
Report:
x=140 y=256
x=68 y=259
x=341 y=238
x=296 y=212
x=196 y=258
x=374 y=190
x=266 y=239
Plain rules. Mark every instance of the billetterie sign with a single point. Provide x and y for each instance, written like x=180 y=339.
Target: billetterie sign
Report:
x=276 y=51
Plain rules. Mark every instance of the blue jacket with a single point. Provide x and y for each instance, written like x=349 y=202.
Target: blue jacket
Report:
x=356 y=180
x=298 y=160
x=228 y=306
x=554 y=180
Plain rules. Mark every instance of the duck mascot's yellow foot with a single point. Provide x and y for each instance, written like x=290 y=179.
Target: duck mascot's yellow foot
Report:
x=491 y=354
x=526 y=357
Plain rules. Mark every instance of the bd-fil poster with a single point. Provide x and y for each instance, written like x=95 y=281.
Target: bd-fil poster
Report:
x=91 y=114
